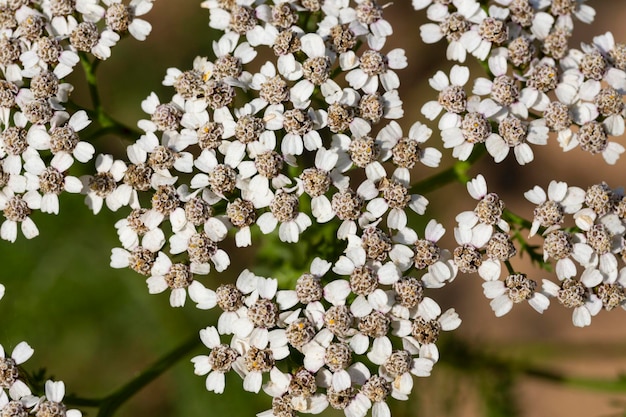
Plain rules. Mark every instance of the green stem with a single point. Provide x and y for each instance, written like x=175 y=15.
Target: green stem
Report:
x=110 y=404
x=108 y=124
x=457 y=172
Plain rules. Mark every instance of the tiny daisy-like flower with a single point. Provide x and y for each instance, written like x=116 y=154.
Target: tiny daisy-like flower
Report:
x=315 y=70
x=140 y=259
x=492 y=30
x=373 y=394
x=55 y=391
x=424 y=254
x=605 y=237
x=468 y=257
x=179 y=279
x=131 y=228
x=398 y=366
x=16 y=209
x=217 y=363
x=122 y=18
x=612 y=50
x=62 y=137
x=503 y=90
x=316 y=182
x=452 y=26
x=302 y=130
x=46 y=51
x=163 y=116
x=489 y=209
x=407 y=151
x=10 y=375
x=452 y=97
x=565 y=10
x=514 y=289
x=50 y=182
x=201 y=249
x=20 y=405
x=573 y=293
x=308 y=287
x=552 y=207
x=565 y=247
x=14 y=144
x=85 y=37
x=364 y=283
x=100 y=187
x=463 y=132
x=421 y=331
x=373 y=67
x=394 y=199
x=284 y=209
x=516 y=134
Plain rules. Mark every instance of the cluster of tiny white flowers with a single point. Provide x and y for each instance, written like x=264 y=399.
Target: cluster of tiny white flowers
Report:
x=16 y=398
x=538 y=84
x=40 y=44
x=593 y=241
x=234 y=154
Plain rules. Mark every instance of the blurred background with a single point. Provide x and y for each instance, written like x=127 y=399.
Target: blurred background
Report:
x=96 y=327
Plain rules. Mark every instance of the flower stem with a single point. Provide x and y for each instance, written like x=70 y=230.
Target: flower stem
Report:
x=110 y=404
x=107 y=123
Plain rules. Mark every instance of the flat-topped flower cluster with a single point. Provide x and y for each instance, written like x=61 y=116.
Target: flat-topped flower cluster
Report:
x=311 y=141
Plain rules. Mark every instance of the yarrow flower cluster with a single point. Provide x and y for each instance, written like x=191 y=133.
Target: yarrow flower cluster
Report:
x=16 y=398
x=538 y=84
x=293 y=127
x=41 y=43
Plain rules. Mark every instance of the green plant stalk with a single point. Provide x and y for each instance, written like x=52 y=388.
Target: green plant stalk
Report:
x=112 y=402
x=109 y=404
x=108 y=125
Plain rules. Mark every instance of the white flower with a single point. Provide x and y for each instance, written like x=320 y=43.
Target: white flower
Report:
x=179 y=278
x=373 y=67
x=316 y=70
x=467 y=11
x=389 y=360
x=33 y=63
x=20 y=354
x=63 y=136
x=50 y=181
x=100 y=187
x=516 y=134
x=215 y=365
x=55 y=391
x=286 y=299
x=560 y=200
x=491 y=30
x=421 y=331
x=284 y=209
x=424 y=254
x=514 y=289
x=138 y=28
x=17 y=209
x=201 y=248
x=407 y=151
x=316 y=183
x=488 y=210
x=575 y=294
x=452 y=97
x=503 y=90
x=581 y=11
x=462 y=132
